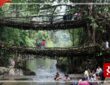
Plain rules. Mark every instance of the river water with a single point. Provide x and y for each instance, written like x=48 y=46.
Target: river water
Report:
x=45 y=70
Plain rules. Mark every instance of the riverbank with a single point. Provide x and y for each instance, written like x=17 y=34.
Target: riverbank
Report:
x=7 y=73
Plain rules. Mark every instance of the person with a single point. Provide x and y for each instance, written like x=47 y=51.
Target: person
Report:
x=94 y=75
x=38 y=43
x=83 y=81
x=86 y=74
x=12 y=62
x=106 y=45
x=67 y=17
x=99 y=73
x=99 y=70
x=93 y=78
x=67 y=78
x=43 y=43
x=57 y=77
x=77 y=16
x=11 y=71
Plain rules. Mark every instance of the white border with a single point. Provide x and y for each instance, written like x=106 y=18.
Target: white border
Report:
x=60 y=3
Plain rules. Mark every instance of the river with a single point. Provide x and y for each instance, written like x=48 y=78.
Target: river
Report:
x=45 y=70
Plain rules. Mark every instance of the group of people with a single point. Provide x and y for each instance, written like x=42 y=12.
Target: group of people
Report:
x=93 y=76
x=89 y=78
x=59 y=77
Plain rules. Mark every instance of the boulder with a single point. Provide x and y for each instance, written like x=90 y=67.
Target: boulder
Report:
x=3 y=70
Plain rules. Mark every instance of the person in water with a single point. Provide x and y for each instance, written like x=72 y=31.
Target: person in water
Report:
x=67 y=78
x=57 y=77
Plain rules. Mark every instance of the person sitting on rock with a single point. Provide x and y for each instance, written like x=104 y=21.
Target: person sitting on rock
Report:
x=57 y=77
x=67 y=78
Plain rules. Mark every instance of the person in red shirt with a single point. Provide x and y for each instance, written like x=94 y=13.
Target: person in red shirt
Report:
x=43 y=43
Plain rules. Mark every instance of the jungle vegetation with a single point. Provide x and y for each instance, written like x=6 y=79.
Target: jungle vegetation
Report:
x=96 y=31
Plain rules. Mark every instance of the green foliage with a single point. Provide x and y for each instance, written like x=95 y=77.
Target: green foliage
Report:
x=77 y=36
x=22 y=38
x=93 y=22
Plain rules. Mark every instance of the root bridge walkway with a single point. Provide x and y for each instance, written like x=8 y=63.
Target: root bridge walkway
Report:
x=65 y=52
x=43 y=26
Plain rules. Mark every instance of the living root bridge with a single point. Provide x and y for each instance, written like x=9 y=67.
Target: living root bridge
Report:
x=52 y=52
x=44 y=26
